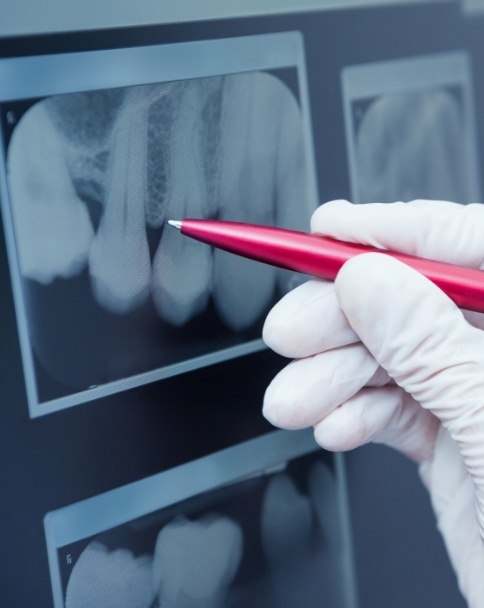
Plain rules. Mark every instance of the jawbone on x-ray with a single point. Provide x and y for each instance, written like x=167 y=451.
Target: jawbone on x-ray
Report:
x=411 y=145
x=94 y=176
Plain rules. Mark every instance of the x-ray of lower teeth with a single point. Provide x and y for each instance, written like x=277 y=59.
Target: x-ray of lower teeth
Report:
x=94 y=176
x=411 y=145
x=270 y=542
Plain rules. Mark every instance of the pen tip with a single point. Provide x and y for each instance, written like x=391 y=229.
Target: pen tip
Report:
x=175 y=223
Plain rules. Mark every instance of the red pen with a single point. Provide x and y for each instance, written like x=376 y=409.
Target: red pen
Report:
x=323 y=257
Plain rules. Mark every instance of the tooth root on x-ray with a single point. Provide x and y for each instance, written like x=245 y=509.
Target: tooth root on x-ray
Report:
x=410 y=145
x=294 y=201
x=103 y=579
x=119 y=259
x=182 y=267
x=250 y=119
x=195 y=561
x=52 y=225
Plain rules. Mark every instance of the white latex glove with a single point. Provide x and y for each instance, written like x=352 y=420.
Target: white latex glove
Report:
x=383 y=355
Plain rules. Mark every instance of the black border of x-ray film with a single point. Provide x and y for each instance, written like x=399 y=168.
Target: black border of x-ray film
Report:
x=451 y=71
x=27 y=78
x=72 y=526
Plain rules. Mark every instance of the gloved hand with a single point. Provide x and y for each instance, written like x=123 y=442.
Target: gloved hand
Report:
x=383 y=355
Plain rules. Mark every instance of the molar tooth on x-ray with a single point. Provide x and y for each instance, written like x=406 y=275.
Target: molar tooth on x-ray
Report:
x=119 y=259
x=242 y=289
x=104 y=579
x=52 y=224
x=195 y=561
x=182 y=268
x=291 y=544
x=411 y=145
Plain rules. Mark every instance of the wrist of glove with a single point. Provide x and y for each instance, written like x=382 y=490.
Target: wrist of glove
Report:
x=383 y=355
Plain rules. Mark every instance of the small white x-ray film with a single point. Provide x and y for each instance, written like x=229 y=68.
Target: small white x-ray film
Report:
x=108 y=296
x=410 y=130
x=267 y=530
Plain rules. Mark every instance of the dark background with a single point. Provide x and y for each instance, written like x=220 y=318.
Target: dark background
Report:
x=58 y=459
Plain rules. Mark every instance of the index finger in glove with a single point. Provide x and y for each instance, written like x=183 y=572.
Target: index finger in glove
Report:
x=307 y=321
x=438 y=230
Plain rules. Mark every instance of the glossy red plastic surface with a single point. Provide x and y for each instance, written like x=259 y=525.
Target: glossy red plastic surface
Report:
x=323 y=257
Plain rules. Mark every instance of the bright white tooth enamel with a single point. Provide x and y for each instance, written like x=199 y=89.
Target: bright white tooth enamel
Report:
x=119 y=260
x=182 y=268
x=103 y=579
x=181 y=277
x=411 y=145
x=250 y=119
x=289 y=545
x=294 y=198
x=195 y=561
x=52 y=225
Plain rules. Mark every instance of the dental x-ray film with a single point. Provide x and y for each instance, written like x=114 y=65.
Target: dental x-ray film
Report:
x=410 y=130
x=107 y=296
x=266 y=538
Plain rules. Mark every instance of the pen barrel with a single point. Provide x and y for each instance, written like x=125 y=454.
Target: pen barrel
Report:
x=323 y=257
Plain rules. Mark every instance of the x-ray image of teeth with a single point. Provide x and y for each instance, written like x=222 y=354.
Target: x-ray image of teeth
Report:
x=273 y=541
x=110 y=579
x=253 y=107
x=301 y=536
x=410 y=129
x=54 y=230
x=119 y=259
x=410 y=145
x=195 y=561
x=182 y=268
x=93 y=178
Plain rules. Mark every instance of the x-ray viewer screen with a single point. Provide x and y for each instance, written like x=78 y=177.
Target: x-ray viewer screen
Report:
x=92 y=178
x=273 y=540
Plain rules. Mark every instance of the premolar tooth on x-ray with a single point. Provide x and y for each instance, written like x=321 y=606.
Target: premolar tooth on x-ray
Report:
x=195 y=561
x=54 y=231
x=410 y=145
x=119 y=259
x=104 y=579
x=250 y=118
x=182 y=268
